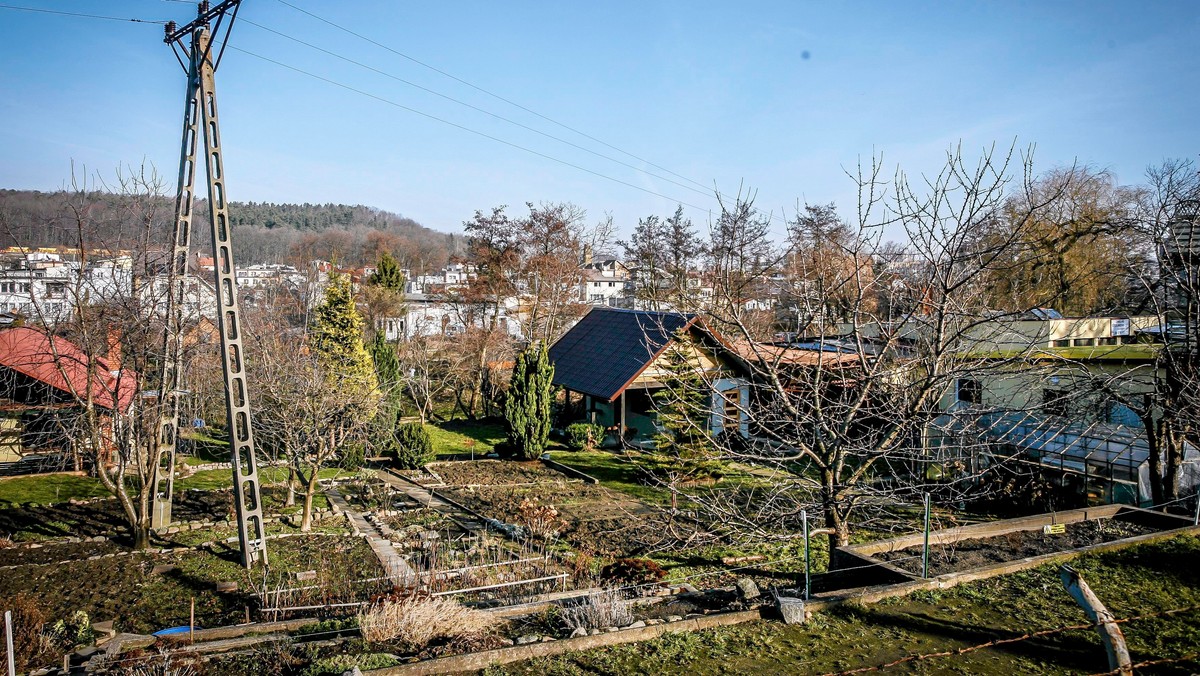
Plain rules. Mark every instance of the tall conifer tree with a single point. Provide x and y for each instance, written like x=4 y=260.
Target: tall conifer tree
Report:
x=527 y=405
x=337 y=337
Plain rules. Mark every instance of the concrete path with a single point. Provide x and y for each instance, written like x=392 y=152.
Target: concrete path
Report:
x=468 y=521
x=396 y=568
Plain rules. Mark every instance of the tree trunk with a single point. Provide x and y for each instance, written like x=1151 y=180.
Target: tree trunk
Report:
x=835 y=521
x=291 y=488
x=1154 y=444
x=309 y=492
x=1174 y=459
x=141 y=536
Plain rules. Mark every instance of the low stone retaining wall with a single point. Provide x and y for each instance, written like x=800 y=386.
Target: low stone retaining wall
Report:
x=317 y=515
x=171 y=550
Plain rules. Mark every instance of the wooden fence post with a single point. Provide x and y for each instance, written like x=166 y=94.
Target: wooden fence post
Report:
x=1110 y=632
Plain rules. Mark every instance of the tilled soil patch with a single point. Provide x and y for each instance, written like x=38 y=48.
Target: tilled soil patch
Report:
x=105 y=517
x=596 y=519
x=55 y=552
x=979 y=552
x=126 y=588
x=494 y=473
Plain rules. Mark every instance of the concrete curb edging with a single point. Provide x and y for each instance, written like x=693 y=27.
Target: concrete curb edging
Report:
x=948 y=580
x=518 y=653
x=569 y=471
x=480 y=660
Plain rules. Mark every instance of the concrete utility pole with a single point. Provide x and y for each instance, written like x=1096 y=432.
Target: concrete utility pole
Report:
x=200 y=118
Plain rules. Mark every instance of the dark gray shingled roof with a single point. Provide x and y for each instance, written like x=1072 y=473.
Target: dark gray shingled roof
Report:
x=609 y=347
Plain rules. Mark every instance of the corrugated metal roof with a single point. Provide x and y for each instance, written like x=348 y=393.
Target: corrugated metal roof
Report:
x=59 y=363
x=609 y=347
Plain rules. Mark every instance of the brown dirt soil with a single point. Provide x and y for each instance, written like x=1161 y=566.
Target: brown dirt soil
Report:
x=598 y=520
x=495 y=473
x=979 y=552
x=125 y=589
x=51 y=553
x=105 y=517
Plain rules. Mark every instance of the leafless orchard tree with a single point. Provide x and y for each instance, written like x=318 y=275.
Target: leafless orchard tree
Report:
x=307 y=413
x=430 y=368
x=1164 y=215
x=859 y=419
x=108 y=349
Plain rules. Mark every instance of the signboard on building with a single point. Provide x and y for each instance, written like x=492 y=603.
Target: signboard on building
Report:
x=1120 y=327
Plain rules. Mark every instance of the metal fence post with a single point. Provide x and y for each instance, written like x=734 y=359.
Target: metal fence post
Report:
x=925 y=549
x=807 y=568
x=8 y=642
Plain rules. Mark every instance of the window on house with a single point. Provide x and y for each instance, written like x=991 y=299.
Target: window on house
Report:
x=1065 y=342
x=1083 y=342
x=1111 y=340
x=612 y=284
x=731 y=409
x=969 y=391
x=1054 y=402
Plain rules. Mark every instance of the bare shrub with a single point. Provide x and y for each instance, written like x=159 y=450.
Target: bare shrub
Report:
x=417 y=621
x=607 y=608
x=542 y=521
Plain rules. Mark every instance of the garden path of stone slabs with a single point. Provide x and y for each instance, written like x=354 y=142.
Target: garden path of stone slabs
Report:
x=397 y=568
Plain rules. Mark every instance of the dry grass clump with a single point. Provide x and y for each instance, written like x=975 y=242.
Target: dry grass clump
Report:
x=32 y=646
x=415 y=622
x=607 y=608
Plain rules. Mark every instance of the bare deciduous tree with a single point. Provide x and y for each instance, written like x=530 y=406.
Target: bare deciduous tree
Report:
x=859 y=419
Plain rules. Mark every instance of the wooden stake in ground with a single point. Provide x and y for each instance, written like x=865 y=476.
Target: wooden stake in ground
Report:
x=1110 y=632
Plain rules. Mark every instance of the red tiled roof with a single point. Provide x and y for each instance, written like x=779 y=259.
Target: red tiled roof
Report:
x=59 y=363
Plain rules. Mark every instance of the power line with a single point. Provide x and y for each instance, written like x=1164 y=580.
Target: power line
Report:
x=469 y=130
x=706 y=192
x=489 y=93
x=78 y=14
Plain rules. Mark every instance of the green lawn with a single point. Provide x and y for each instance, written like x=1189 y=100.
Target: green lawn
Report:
x=216 y=479
x=45 y=489
x=462 y=437
x=1145 y=580
x=614 y=471
x=205 y=448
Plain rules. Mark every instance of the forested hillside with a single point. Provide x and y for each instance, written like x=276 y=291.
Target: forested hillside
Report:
x=265 y=232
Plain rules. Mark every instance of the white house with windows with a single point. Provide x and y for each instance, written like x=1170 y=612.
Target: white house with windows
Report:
x=435 y=316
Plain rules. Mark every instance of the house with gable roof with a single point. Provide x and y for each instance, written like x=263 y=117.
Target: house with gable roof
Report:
x=613 y=361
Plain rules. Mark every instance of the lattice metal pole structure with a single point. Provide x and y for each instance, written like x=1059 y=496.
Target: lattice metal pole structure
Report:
x=200 y=119
x=172 y=360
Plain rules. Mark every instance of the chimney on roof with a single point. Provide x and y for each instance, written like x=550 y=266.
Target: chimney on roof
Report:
x=587 y=255
x=113 y=356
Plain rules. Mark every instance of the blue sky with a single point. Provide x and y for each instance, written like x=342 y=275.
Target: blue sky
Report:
x=780 y=97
